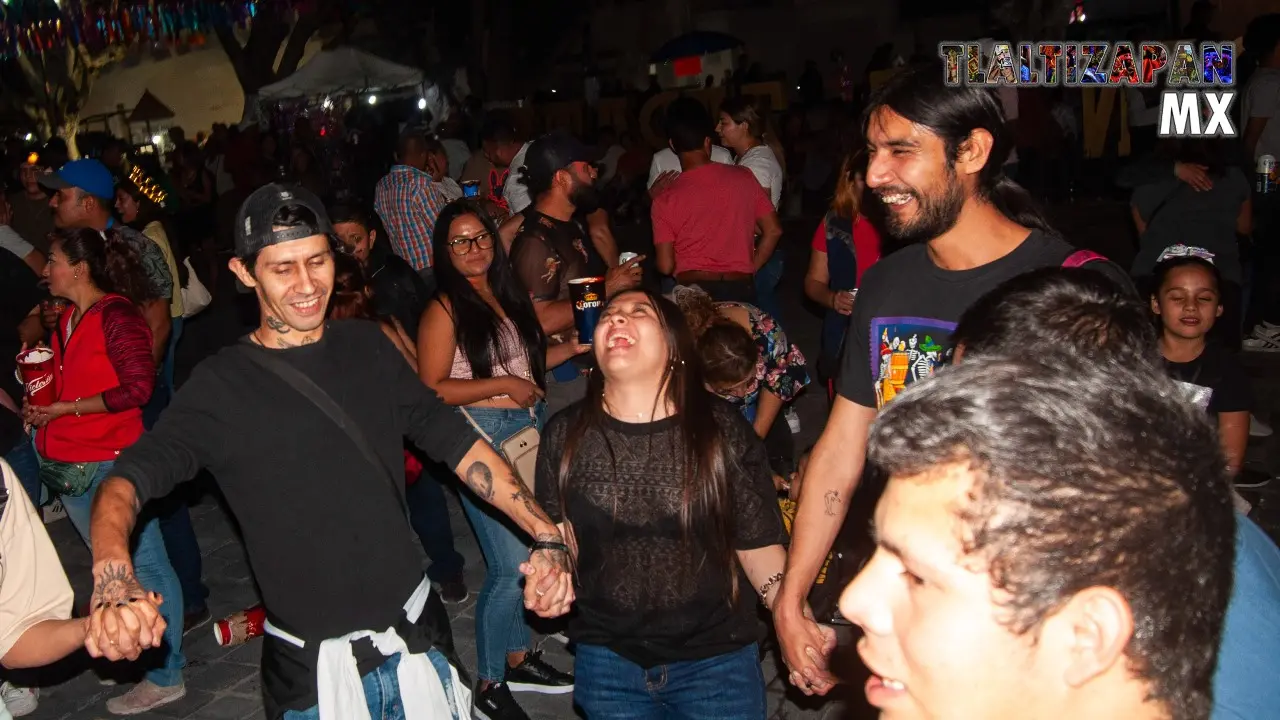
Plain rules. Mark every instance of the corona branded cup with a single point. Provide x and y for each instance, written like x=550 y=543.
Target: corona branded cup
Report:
x=587 y=295
x=36 y=368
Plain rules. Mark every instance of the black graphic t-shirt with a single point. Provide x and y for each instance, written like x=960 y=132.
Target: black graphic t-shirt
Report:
x=1215 y=381
x=900 y=329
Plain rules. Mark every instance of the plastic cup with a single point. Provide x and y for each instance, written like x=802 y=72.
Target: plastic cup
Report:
x=35 y=366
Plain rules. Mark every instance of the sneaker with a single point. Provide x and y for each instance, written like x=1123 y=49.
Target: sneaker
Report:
x=1257 y=428
x=19 y=700
x=453 y=591
x=193 y=619
x=535 y=675
x=793 y=420
x=145 y=696
x=495 y=703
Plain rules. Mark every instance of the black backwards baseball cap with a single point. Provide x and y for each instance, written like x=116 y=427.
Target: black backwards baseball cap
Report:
x=550 y=154
x=255 y=227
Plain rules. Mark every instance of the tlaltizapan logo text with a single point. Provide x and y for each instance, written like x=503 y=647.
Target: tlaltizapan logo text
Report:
x=1198 y=82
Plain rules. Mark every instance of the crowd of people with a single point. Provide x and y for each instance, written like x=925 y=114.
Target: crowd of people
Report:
x=1046 y=446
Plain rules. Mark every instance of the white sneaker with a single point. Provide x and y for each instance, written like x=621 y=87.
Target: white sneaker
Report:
x=793 y=420
x=1257 y=428
x=19 y=701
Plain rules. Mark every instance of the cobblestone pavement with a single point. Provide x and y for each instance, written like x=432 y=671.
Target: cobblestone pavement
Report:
x=223 y=683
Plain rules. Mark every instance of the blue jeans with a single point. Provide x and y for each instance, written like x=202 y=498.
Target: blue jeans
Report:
x=500 y=623
x=725 y=687
x=26 y=465
x=767 y=279
x=152 y=568
x=382 y=692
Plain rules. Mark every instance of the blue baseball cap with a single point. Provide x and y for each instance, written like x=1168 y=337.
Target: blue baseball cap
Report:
x=89 y=175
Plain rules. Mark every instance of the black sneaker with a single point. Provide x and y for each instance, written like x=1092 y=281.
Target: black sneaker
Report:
x=453 y=591
x=535 y=675
x=495 y=703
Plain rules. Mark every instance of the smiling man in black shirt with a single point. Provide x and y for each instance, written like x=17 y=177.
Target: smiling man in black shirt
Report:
x=935 y=157
x=301 y=423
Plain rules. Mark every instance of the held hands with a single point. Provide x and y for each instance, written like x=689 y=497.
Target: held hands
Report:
x=624 y=277
x=806 y=648
x=548 y=585
x=124 y=618
x=41 y=415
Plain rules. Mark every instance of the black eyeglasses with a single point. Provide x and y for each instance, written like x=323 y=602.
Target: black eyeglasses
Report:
x=463 y=245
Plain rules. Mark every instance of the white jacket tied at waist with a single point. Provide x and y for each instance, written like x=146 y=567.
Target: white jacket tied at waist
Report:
x=341 y=691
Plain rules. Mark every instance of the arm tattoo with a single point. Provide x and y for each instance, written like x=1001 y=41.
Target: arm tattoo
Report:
x=117 y=586
x=832 y=499
x=525 y=496
x=480 y=479
x=277 y=324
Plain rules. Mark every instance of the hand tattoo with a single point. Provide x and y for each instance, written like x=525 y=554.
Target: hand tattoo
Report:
x=277 y=324
x=480 y=479
x=832 y=499
x=117 y=586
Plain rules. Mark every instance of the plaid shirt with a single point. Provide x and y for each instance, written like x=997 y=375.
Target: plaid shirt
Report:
x=408 y=202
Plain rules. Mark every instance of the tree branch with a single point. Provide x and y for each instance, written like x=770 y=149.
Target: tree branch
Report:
x=303 y=29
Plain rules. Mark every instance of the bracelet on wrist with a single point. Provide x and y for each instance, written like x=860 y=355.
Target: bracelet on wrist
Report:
x=768 y=585
x=549 y=545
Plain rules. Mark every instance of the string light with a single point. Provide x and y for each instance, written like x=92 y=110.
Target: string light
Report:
x=147 y=186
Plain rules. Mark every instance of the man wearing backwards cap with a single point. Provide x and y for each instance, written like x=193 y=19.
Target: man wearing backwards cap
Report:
x=289 y=420
x=553 y=247
x=84 y=193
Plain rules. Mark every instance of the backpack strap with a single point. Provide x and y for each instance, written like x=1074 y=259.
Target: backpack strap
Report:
x=1080 y=258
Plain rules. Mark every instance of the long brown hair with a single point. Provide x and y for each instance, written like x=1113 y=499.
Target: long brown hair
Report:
x=747 y=110
x=706 y=510
x=847 y=201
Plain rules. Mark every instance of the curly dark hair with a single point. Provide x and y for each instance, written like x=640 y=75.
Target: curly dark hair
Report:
x=1088 y=472
x=114 y=263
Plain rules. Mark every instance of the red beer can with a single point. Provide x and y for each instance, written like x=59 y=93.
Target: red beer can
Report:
x=241 y=627
x=36 y=368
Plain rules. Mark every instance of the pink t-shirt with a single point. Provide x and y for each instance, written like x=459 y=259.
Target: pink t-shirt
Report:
x=710 y=215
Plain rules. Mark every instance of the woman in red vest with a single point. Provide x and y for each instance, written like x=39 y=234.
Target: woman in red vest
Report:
x=104 y=374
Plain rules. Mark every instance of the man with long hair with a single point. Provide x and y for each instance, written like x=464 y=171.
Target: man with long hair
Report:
x=935 y=157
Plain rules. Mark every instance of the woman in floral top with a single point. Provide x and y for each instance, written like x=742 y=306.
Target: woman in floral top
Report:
x=746 y=357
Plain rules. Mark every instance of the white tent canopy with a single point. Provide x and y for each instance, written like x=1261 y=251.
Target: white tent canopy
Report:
x=342 y=70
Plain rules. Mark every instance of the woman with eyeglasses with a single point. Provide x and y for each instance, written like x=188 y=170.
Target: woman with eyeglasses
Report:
x=480 y=347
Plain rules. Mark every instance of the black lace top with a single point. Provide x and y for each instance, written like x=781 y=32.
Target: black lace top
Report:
x=642 y=591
